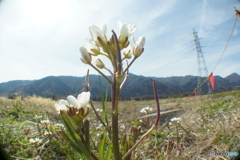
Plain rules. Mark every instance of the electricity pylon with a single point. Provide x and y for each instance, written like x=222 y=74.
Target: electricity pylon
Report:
x=201 y=65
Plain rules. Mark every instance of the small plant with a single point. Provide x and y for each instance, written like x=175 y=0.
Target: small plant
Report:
x=18 y=106
x=110 y=145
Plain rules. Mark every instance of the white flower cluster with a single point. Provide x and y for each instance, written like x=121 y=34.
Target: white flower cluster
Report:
x=35 y=140
x=146 y=109
x=99 y=110
x=59 y=125
x=176 y=119
x=38 y=116
x=99 y=44
x=47 y=133
x=45 y=121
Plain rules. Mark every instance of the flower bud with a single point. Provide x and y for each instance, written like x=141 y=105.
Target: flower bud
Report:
x=138 y=48
x=99 y=64
x=128 y=53
x=86 y=57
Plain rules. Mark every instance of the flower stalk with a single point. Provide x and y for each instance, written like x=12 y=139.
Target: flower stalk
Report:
x=115 y=95
x=74 y=111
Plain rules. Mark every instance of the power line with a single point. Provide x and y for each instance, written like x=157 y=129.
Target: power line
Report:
x=221 y=54
x=201 y=64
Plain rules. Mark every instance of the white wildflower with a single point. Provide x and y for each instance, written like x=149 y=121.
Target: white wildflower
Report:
x=47 y=133
x=99 y=110
x=176 y=119
x=38 y=116
x=35 y=140
x=146 y=109
x=45 y=121
x=122 y=126
x=59 y=125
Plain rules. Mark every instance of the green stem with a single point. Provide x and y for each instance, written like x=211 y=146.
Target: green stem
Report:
x=117 y=77
x=115 y=97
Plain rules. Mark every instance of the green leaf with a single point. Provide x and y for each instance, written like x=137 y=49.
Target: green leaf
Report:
x=103 y=101
x=72 y=144
x=102 y=146
x=104 y=108
x=135 y=122
x=87 y=135
x=69 y=125
x=73 y=133
x=183 y=128
x=109 y=152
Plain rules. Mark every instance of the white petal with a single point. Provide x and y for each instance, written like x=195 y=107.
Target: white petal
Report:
x=72 y=100
x=83 y=99
x=91 y=32
x=90 y=46
x=141 y=41
x=96 y=32
x=60 y=107
x=104 y=29
x=119 y=23
x=64 y=102
x=124 y=31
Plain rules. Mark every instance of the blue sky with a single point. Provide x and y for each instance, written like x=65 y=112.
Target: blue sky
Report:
x=39 y=38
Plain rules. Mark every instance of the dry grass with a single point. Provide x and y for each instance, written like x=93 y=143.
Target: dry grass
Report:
x=208 y=123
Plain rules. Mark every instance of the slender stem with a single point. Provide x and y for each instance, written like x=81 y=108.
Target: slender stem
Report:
x=119 y=62
x=153 y=127
x=115 y=120
x=87 y=135
x=101 y=73
x=117 y=77
x=125 y=78
x=157 y=102
x=99 y=118
x=123 y=59
x=94 y=156
x=109 y=71
x=139 y=141
x=87 y=81
x=129 y=65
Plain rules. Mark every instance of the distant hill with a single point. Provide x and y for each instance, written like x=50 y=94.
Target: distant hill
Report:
x=135 y=86
x=233 y=79
x=7 y=87
x=46 y=86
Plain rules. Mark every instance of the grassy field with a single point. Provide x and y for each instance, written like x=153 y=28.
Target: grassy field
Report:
x=29 y=127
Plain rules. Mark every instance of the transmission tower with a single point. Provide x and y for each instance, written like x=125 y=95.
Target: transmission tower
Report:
x=201 y=65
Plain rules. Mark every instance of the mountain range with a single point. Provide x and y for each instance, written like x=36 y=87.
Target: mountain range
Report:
x=135 y=86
